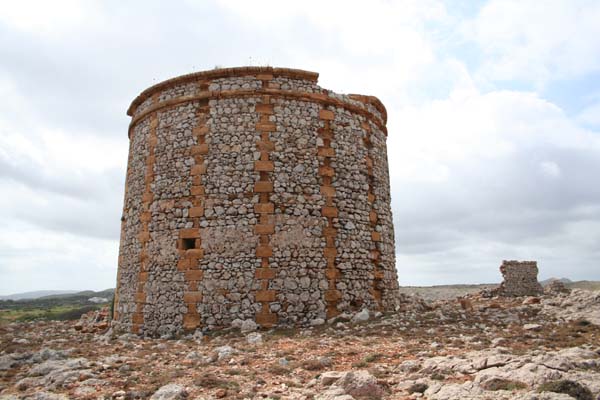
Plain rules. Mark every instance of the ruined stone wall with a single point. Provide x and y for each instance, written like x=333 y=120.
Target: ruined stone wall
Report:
x=520 y=279
x=252 y=193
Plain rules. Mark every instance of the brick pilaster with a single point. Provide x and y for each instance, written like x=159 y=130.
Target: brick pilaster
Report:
x=326 y=154
x=378 y=273
x=265 y=209
x=190 y=243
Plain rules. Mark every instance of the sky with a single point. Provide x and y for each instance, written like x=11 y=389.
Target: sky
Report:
x=493 y=119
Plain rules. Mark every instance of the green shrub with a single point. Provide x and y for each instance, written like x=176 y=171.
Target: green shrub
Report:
x=373 y=357
x=112 y=308
x=503 y=384
x=417 y=388
x=571 y=388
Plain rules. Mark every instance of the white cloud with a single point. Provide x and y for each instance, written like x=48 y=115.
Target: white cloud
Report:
x=477 y=127
x=480 y=171
x=550 y=169
x=537 y=42
x=35 y=259
x=475 y=179
x=41 y=17
x=378 y=47
x=590 y=116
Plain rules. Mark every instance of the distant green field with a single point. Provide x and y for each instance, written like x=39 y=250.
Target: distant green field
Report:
x=55 y=307
x=66 y=312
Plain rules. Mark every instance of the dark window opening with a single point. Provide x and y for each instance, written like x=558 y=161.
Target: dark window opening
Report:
x=187 y=244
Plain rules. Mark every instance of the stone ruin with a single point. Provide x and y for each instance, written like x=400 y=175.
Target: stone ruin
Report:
x=520 y=279
x=253 y=194
x=556 y=287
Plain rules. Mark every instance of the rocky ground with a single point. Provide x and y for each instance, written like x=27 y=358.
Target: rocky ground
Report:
x=544 y=347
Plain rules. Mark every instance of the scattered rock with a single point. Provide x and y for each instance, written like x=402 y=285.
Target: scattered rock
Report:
x=360 y=385
x=171 y=391
x=409 y=366
x=224 y=352
x=198 y=335
x=329 y=377
x=248 y=326
x=254 y=338
x=94 y=321
x=361 y=316
x=193 y=356
x=532 y=327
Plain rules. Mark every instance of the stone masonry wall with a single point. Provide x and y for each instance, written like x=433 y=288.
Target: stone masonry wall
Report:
x=520 y=279
x=252 y=193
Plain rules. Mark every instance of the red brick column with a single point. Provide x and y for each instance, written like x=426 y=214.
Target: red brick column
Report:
x=265 y=209
x=375 y=236
x=190 y=242
x=326 y=154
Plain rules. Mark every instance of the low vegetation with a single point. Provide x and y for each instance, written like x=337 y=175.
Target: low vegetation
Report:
x=573 y=389
x=57 y=313
x=55 y=307
x=503 y=384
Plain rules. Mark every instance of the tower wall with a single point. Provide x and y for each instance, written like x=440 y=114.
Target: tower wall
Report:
x=252 y=193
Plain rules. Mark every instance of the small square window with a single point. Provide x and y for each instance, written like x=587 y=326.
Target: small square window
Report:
x=188 y=243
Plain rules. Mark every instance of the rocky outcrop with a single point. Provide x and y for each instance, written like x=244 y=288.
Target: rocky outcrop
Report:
x=499 y=348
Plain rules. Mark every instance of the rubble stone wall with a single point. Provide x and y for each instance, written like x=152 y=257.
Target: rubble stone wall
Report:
x=520 y=279
x=252 y=193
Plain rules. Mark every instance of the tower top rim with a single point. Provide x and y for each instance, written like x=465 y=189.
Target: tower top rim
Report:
x=239 y=72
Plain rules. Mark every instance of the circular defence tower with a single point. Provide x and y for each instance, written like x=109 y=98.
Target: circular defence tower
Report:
x=253 y=193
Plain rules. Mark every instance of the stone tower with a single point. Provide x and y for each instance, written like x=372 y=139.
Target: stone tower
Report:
x=520 y=279
x=253 y=193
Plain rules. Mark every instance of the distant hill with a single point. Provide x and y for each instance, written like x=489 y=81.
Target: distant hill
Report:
x=36 y=294
x=54 y=300
x=63 y=306
x=86 y=293
x=546 y=282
